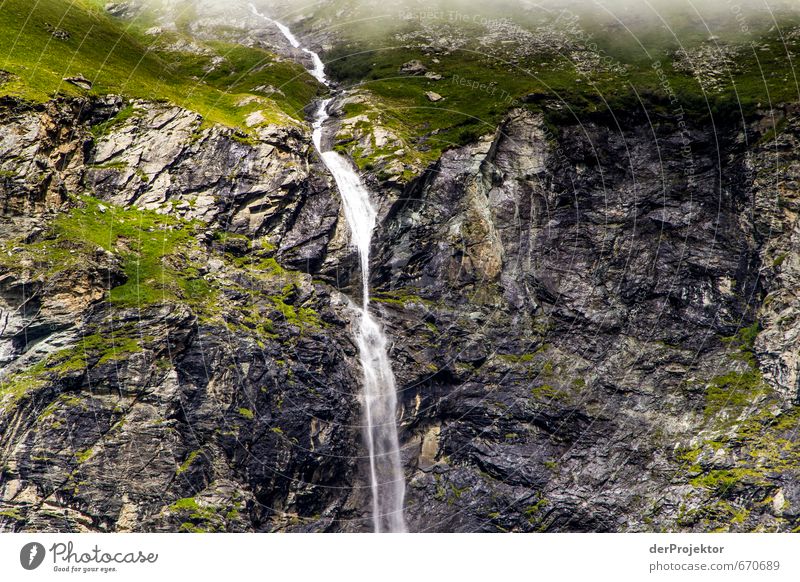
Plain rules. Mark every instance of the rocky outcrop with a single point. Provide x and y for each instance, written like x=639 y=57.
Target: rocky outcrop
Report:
x=221 y=394
x=592 y=327
x=576 y=313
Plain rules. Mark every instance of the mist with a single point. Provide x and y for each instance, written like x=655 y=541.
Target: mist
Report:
x=374 y=17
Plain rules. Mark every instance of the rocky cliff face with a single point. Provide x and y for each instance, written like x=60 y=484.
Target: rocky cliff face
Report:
x=168 y=361
x=585 y=301
x=592 y=326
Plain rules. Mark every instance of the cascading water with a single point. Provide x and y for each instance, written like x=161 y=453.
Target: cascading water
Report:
x=380 y=396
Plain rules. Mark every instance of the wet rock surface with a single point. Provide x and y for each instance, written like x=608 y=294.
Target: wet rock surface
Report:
x=234 y=412
x=592 y=330
x=576 y=314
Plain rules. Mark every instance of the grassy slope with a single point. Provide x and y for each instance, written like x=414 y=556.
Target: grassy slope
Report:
x=763 y=73
x=119 y=58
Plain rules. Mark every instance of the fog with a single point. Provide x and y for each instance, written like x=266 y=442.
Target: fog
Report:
x=368 y=17
x=598 y=7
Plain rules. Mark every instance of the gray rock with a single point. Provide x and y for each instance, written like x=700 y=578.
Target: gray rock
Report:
x=79 y=81
x=414 y=67
x=563 y=318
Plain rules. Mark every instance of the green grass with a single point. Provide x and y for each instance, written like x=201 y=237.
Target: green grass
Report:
x=763 y=446
x=204 y=517
x=399 y=297
x=734 y=391
x=425 y=128
x=144 y=239
x=750 y=424
x=159 y=256
x=152 y=248
x=12 y=514
x=480 y=85
x=118 y=58
x=120 y=118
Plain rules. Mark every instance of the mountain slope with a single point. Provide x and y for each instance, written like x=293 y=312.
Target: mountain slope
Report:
x=43 y=43
x=591 y=303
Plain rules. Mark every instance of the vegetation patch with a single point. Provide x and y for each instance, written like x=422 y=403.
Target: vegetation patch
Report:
x=399 y=297
x=149 y=244
x=733 y=392
x=202 y=517
x=626 y=72
x=118 y=57
x=120 y=118
x=188 y=462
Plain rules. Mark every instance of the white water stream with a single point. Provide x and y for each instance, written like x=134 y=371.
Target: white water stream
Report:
x=380 y=395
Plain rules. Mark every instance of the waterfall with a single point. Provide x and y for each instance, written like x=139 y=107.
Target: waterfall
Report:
x=379 y=391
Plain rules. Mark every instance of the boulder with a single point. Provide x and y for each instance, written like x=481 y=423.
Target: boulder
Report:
x=414 y=67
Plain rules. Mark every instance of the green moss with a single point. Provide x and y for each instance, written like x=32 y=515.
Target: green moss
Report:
x=456 y=493
x=533 y=513
x=188 y=462
x=688 y=456
x=720 y=482
x=264 y=265
x=12 y=514
x=244 y=139
x=517 y=358
x=268 y=303
x=743 y=343
x=232 y=514
x=302 y=316
x=399 y=297
x=108 y=345
x=144 y=239
x=93 y=349
x=246 y=413
x=83 y=456
x=779 y=259
x=163 y=364
x=223 y=236
x=528 y=357
x=547 y=392
x=253 y=318
x=200 y=517
x=716 y=516
x=185 y=504
x=64 y=401
x=120 y=118
x=760 y=441
x=537 y=507
x=118 y=351
x=15 y=387
x=440 y=494
x=733 y=391
x=189 y=527
x=119 y=166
